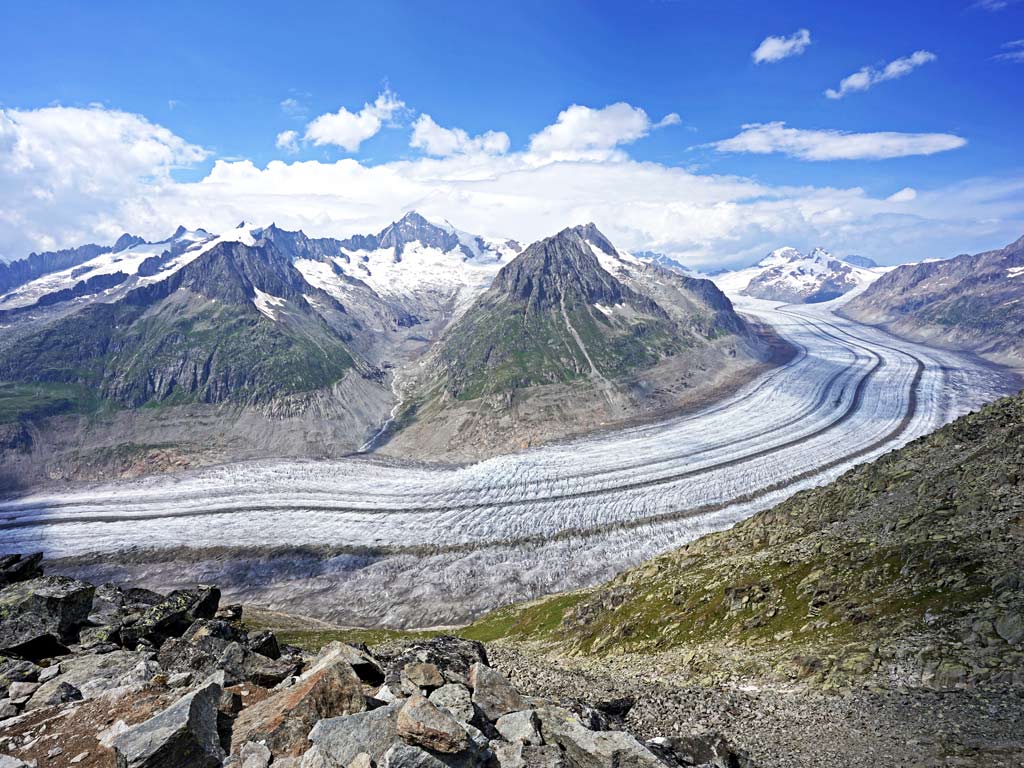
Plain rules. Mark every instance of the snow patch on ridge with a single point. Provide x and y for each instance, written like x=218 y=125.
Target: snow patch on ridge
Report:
x=267 y=303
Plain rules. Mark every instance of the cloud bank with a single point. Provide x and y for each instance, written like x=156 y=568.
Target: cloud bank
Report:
x=69 y=176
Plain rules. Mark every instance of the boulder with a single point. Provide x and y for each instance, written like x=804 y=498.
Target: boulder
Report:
x=14 y=568
x=267 y=672
x=172 y=616
x=6 y=761
x=365 y=666
x=420 y=675
x=183 y=734
x=522 y=727
x=283 y=720
x=584 y=748
x=520 y=755
x=42 y=616
x=254 y=755
x=423 y=724
x=1010 y=627
x=452 y=655
x=62 y=694
x=493 y=693
x=94 y=675
x=338 y=740
x=456 y=699
x=264 y=642
x=699 y=749
x=16 y=671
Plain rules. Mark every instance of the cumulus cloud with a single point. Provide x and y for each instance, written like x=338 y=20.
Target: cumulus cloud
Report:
x=347 y=129
x=774 y=49
x=63 y=169
x=866 y=77
x=445 y=142
x=65 y=181
x=767 y=138
x=288 y=141
x=586 y=133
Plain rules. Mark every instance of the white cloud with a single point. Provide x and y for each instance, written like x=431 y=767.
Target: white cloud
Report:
x=63 y=170
x=585 y=133
x=294 y=108
x=350 y=129
x=445 y=142
x=1014 y=51
x=88 y=175
x=767 y=138
x=774 y=49
x=993 y=5
x=905 y=195
x=288 y=141
x=866 y=77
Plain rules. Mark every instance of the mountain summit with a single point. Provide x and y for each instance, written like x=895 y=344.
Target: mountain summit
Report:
x=572 y=335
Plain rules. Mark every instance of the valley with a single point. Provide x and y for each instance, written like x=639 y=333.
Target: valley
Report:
x=382 y=542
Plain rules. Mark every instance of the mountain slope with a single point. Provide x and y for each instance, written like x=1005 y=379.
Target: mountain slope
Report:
x=971 y=302
x=905 y=571
x=233 y=325
x=558 y=345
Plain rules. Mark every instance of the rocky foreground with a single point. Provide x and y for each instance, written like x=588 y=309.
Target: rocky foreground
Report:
x=106 y=676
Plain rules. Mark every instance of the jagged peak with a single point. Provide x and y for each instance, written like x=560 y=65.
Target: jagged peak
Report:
x=127 y=241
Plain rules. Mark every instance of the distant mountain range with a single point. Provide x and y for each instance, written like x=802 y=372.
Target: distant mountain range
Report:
x=262 y=341
x=788 y=275
x=970 y=302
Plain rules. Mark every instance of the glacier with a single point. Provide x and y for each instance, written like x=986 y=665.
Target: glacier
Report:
x=369 y=541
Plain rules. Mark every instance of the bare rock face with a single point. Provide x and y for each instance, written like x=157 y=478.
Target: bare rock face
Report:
x=42 y=616
x=423 y=724
x=183 y=734
x=329 y=690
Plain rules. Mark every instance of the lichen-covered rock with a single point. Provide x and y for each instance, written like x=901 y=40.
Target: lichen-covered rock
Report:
x=40 y=617
x=16 y=567
x=172 y=616
x=453 y=655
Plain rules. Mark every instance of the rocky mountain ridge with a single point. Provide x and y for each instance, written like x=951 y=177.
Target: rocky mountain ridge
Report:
x=970 y=302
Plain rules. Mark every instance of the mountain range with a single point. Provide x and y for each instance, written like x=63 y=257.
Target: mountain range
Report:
x=261 y=341
x=791 y=276
x=970 y=302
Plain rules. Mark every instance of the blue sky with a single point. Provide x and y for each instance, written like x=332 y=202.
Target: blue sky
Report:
x=229 y=78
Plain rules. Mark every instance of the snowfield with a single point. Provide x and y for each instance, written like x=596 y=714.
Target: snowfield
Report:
x=368 y=541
